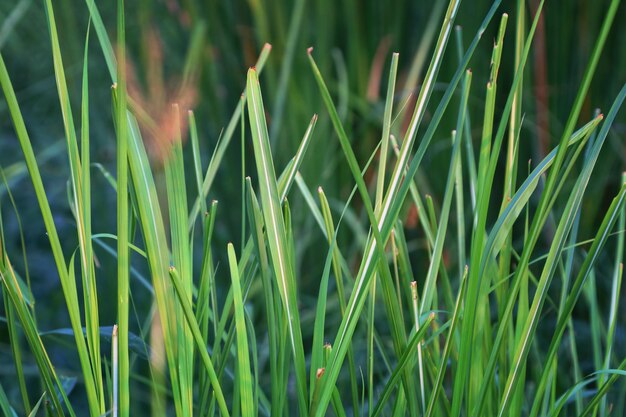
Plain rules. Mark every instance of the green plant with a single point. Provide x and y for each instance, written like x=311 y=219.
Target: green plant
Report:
x=448 y=329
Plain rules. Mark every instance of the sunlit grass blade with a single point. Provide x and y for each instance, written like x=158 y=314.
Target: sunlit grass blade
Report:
x=92 y=321
x=274 y=222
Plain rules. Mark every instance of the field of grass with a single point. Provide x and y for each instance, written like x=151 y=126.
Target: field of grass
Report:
x=312 y=208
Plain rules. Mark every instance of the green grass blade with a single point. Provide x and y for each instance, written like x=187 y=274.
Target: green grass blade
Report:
x=317 y=349
x=197 y=335
x=123 y=258
x=35 y=409
x=274 y=222
x=103 y=38
x=5 y=406
x=243 y=353
x=92 y=321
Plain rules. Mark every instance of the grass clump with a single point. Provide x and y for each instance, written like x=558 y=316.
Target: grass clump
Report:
x=478 y=296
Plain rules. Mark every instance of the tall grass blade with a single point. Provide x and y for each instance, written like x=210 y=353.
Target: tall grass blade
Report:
x=274 y=222
x=123 y=261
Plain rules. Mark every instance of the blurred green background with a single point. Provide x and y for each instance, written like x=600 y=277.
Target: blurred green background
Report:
x=353 y=41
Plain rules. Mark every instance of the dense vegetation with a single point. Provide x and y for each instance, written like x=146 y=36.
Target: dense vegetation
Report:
x=200 y=214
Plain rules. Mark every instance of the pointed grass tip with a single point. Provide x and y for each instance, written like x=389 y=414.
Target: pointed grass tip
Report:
x=309 y=50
